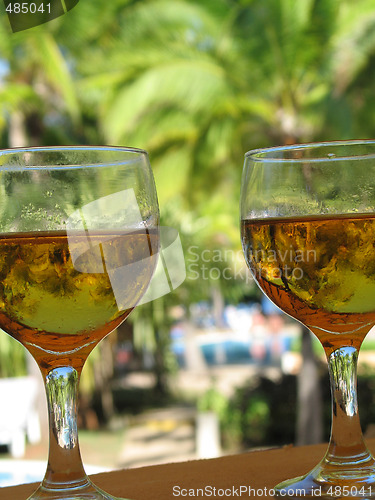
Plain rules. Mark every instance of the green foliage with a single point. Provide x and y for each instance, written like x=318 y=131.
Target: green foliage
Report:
x=151 y=331
x=264 y=412
x=213 y=400
x=197 y=84
x=246 y=418
x=256 y=419
x=12 y=357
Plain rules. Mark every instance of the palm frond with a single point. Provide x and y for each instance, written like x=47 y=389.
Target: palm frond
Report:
x=354 y=43
x=191 y=85
x=56 y=71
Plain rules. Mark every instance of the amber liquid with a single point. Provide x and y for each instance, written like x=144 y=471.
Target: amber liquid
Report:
x=61 y=294
x=319 y=270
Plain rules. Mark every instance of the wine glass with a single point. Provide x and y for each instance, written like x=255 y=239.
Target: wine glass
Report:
x=78 y=246
x=308 y=235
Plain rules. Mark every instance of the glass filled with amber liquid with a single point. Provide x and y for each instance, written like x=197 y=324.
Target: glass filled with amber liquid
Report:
x=79 y=239
x=308 y=235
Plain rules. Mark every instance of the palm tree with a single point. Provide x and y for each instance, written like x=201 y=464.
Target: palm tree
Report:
x=195 y=83
x=37 y=93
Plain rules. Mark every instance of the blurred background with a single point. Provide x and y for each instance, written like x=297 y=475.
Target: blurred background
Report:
x=211 y=368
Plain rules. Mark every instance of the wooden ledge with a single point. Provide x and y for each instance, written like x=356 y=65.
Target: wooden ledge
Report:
x=258 y=470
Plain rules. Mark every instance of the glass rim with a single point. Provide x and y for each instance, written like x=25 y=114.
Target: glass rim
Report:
x=253 y=154
x=31 y=149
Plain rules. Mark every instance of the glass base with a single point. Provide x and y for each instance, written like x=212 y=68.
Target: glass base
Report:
x=87 y=491
x=330 y=483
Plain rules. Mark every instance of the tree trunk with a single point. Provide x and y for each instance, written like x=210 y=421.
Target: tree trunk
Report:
x=218 y=305
x=309 y=397
x=103 y=375
x=17 y=131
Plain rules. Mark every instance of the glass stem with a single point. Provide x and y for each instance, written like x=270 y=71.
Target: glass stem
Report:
x=346 y=446
x=64 y=469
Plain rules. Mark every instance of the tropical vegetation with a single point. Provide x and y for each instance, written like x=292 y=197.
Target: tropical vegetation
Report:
x=196 y=84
